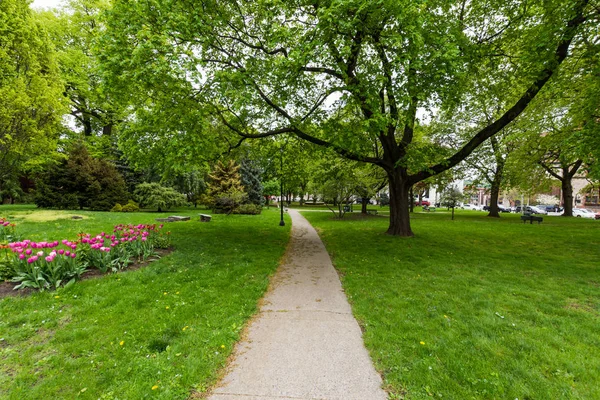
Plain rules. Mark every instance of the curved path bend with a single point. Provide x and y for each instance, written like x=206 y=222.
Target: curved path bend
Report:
x=304 y=343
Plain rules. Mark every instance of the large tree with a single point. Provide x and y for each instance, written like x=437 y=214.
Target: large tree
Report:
x=30 y=93
x=347 y=75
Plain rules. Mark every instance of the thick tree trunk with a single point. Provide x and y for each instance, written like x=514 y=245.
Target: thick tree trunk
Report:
x=107 y=129
x=363 y=205
x=497 y=179
x=399 y=204
x=411 y=199
x=567 y=189
x=495 y=194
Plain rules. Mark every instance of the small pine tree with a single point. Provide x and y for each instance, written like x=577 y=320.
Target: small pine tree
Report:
x=225 y=190
x=250 y=174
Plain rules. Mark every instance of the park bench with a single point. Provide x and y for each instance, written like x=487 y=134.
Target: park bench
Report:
x=372 y=212
x=205 y=218
x=531 y=218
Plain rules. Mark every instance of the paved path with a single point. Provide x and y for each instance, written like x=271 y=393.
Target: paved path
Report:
x=304 y=343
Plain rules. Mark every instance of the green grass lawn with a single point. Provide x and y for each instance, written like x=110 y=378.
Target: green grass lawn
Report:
x=475 y=308
x=158 y=332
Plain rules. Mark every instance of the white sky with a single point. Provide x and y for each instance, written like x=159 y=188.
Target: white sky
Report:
x=46 y=3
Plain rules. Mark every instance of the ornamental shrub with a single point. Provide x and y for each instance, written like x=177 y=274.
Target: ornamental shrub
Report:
x=153 y=195
x=117 y=208
x=131 y=206
x=250 y=209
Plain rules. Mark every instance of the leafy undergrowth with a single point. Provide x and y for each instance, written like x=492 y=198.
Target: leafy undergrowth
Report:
x=475 y=308
x=160 y=332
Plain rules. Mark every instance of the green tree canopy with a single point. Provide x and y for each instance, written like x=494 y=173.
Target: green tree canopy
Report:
x=347 y=75
x=31 y=100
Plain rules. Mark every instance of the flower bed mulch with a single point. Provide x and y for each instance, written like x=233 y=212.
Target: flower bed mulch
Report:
x=6 y=288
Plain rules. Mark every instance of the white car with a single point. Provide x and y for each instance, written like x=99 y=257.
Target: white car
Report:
x=584 y=213
x=535 y=210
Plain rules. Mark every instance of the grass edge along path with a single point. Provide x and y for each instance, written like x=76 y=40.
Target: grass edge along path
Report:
x=475 y=308
x=163 y=331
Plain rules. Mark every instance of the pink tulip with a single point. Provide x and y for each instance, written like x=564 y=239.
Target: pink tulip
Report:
x=21 y=256
x=28 y=252
x=40 y=253
x=49 y=258
x=67 y=253
x=31 y=260
x=61 y=252
x=72 y=255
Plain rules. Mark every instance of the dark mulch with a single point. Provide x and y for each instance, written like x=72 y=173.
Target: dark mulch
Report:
x=6 y=288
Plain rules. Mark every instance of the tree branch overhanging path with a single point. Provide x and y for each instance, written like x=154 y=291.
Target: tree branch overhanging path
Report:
x=351 y=76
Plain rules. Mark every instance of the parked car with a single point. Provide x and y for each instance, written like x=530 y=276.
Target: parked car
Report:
x=550 y=208
x=584 y=213
x=422 y=203
x=500 y=209
x=470 y=207
x=535 y=210
x=515 y=209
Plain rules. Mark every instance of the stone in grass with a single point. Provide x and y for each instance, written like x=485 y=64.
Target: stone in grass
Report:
x=76 y=217
x=173 y=218
x=205 y=218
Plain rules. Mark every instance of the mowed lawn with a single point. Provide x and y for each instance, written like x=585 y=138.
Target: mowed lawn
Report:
x=162 y=331
x=475 y=308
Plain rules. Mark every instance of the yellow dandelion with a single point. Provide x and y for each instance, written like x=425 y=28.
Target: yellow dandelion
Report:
x=445 y=316
x=154 y=387
x=422 y=343
x=167 y=307
x=121 y=343
x=57 y=297
x=165 y=293
x=185 y=327
x=222 y=346
x=177 y=293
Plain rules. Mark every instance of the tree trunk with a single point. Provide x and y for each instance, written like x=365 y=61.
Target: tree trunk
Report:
x=399 y=203
x=363 y=205
x=497 y=180
x=567 y=189
x=107 y=129
x=411 y=201
x=495 y=193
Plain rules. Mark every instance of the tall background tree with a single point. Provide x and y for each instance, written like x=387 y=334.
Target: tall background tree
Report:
x=349 y=76
x=31 y=100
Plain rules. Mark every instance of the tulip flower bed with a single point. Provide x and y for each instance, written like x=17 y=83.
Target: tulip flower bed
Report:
x=7 y=230
x=162 y=331
x=46 y=265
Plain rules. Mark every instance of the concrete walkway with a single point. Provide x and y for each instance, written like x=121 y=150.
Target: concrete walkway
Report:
x=304 y=343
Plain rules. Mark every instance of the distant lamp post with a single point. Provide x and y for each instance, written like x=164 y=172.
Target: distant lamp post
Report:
x=282 y=222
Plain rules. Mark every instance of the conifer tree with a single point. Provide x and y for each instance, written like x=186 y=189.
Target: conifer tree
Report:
x=250 y=175
x=225 y=190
